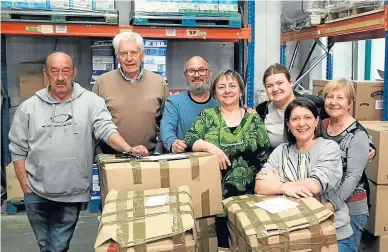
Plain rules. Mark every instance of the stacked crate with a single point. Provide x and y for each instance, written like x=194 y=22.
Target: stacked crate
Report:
x=193 y=13
x=376 y=239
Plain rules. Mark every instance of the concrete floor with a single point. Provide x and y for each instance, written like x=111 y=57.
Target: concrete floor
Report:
x=17 y=235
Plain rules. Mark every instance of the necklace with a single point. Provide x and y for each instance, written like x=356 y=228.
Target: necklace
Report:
x=334 y=129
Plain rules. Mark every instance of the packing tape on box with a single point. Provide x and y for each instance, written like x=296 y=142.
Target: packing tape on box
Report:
x=259 y=226
x=113 y=247
x=296 y=245
x=139 y=218
x=206 y=232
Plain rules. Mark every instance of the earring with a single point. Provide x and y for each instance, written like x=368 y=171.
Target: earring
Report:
x=288 y=130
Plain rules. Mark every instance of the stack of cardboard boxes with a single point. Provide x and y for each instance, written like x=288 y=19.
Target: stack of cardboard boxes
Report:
x=198 y=171
x=377 y=173
x=368 y=103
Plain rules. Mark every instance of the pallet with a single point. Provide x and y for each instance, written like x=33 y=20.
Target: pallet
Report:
x=188 y=20
x=60 y=16
x=341 y=14
x=14 y=206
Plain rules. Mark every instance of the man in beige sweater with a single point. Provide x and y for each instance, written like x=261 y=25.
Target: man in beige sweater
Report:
x=134 y=96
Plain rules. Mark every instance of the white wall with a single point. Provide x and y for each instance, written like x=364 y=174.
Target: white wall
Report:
x=378 y=56
x=267 y=38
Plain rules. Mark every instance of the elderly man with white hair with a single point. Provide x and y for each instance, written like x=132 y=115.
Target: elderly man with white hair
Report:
x=134 y=96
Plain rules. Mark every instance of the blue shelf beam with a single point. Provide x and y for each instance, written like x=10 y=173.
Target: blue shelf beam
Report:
x=251 y=57
x=368 y=59
x=283 y=59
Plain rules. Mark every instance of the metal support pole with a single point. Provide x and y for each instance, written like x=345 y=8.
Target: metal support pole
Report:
x=307 y=60
x=5 y=154
x=251 y=56
x=294 y=56
x=296 y=83
x=283 y=49
x=385 y=102
x=368 y=59
x=329 y=63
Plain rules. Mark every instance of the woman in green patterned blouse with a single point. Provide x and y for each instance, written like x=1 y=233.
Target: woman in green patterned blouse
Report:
x=239 y=140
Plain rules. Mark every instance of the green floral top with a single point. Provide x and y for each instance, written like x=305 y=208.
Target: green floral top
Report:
x=246 y=147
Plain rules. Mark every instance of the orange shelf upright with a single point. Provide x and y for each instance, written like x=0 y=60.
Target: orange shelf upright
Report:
x=362 y=26
x=80 y=30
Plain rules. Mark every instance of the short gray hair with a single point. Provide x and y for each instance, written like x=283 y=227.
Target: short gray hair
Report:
x=124 y=36
x=227 y=72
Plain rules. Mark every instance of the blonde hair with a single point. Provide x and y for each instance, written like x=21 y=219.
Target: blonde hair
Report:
x=127 y=35
x=338 y=84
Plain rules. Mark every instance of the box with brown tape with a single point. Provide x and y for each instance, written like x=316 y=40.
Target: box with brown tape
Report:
x=206 y=234
x=149 y=221
x=199 y=171
x=255 y=223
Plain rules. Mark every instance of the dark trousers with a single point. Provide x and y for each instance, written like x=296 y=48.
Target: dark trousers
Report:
x=222 y=232
x=53 y=222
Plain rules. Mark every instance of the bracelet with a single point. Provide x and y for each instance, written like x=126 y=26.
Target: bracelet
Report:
x=280 y=187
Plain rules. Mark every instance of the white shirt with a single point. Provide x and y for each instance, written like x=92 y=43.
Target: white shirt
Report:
x=274 y=122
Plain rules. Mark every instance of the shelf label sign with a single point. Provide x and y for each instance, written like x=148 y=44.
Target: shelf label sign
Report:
x=46 y=29
x=61 y=29
x=195 y=33
x=171 y=32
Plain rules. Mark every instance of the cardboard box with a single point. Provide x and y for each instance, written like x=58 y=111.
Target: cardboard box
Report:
x=58 y=4
x=378 y=215
x=308 y=224
x=14 y=190
x=228 y=6
x=31 y=79
x=377 y=169
x=199 y=171
x=206 y=234
x=103 y=5
x=129 y=219
x=208 y=6
x=368 y=105
x=370 y=243
x=187 y=6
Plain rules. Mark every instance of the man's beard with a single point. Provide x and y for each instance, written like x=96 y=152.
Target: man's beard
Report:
x=199 y=90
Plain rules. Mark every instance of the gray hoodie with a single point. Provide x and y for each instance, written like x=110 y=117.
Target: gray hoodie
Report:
x=56 y=140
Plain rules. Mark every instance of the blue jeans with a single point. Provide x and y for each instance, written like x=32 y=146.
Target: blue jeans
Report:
x=53 y=222
x=346 y=245
x=358 y=223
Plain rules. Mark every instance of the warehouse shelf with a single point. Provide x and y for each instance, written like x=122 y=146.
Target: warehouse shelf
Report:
x=368 y=25
x=362 y=26
x=81 y=30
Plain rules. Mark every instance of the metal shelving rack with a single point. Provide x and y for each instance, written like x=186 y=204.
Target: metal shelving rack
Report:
x=369 y=25
x=236 y=35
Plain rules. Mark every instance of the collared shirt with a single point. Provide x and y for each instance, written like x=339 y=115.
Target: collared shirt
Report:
x=133 y=81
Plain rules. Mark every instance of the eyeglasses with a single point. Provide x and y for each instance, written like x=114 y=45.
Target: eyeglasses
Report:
x=65 y=72
x=201 y=72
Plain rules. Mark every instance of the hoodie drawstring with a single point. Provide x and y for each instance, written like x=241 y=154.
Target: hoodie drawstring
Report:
x=52 y=121
x=72 y=115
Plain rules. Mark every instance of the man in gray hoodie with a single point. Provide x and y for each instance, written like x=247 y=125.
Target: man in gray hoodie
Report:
x=52 y=143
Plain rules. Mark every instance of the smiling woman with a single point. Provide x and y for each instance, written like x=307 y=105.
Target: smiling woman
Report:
x=306 y=166
x=237 y=138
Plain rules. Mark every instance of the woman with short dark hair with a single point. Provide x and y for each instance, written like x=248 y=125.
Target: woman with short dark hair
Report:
x=306 y=166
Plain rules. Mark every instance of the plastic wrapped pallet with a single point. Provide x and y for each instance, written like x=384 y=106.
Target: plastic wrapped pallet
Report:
x=337 y=9
x=300 y=14
x=199 y=171
x=305 y=225
x=129 y=218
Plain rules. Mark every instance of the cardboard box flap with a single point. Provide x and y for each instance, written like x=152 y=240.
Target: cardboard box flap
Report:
x=254 y=220
x=130 y=217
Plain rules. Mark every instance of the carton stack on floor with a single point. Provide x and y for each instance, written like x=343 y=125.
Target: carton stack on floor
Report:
x=140 y=195
x=198 y=171
x=368 y=104
x=276 y=223
x=375 y=239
